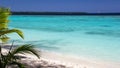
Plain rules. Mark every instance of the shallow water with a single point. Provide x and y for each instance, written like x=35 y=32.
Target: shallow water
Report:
x=87 y=36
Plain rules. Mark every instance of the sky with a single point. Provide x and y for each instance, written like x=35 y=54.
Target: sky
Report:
x=91 y=6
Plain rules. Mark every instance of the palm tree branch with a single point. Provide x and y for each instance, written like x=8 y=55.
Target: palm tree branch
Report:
x=27 y=48
x=3 y=32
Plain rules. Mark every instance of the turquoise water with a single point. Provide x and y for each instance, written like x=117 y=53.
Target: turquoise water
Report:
x=86 y=36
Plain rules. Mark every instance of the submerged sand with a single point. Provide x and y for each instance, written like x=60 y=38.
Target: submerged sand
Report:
x=55 y=60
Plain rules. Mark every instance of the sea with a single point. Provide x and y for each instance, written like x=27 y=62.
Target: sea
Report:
x=86 y=36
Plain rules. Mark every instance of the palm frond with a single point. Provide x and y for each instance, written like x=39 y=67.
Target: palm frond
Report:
x=4 y=15
x=3 y=25
x=4 y=39
x=27 y=48
x=8 y=31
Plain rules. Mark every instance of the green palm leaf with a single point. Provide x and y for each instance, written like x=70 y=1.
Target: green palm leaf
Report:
x=25 y=49
x=4 y=15
x=4 y=39
x=7 y=31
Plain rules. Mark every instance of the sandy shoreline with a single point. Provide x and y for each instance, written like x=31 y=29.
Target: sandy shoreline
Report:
x=78 y=62
x=65 y=61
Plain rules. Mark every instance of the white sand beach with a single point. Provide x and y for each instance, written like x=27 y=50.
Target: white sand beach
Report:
x=64 y=61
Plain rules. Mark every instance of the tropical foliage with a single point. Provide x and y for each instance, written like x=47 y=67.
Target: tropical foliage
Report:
x=4 y=30
x=12 y=58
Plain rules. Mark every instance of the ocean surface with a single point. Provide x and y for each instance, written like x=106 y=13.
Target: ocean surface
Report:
x=87 y=36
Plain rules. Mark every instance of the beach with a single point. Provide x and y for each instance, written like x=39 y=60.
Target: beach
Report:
x=80 y=41
x=56 y=60
x=65 y=33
